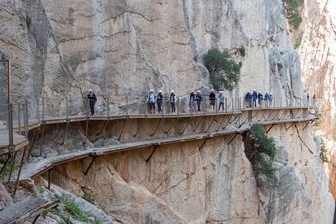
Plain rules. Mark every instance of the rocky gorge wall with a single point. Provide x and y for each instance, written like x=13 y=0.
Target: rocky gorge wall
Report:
x=121 y=48
x=317 y=54
x=211 y=183
x=118 y=48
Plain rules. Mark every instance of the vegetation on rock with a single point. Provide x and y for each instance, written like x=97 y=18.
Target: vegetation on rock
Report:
x=261 y=151
x=224 y=71
x=293 y=13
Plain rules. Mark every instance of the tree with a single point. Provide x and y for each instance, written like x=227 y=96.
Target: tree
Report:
x=224 y=71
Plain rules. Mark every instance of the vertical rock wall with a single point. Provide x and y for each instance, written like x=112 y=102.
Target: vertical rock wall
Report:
x=124 y=48
x=317 y=53
x=210 y=183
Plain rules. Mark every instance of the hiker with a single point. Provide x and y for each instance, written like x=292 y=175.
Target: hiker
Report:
x=159 y=99
x=172 y=100
x=151 y=101
x=267 y=99
x=248 y=99
x=192 y=102
x=260 y=98
x=254 y=97
x=198 y=100
x=212 y=99
x=221 y=99
x=270 y=100
x=92 y=100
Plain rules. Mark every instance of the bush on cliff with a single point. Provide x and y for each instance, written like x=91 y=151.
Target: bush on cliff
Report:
x=260 y=150
x=224 y=71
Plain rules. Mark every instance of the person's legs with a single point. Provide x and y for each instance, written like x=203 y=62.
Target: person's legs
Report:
x=92 y=108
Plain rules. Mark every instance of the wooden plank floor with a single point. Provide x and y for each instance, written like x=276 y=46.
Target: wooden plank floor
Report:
x=19 y=141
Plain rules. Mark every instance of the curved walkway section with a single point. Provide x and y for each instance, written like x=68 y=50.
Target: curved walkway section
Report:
x=226 y=124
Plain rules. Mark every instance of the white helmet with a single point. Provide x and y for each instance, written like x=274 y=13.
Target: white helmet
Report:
x=172 y=91
x=90 y=90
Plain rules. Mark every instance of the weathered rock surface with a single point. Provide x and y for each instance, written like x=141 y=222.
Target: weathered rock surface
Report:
x=183 y=183
x=121 y=49
x=317 y=54
x=124 y=48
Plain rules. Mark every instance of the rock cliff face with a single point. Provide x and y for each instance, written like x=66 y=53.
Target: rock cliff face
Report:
x=317 y=53
x=207 y=183
x=119 y=48
x=60 y=49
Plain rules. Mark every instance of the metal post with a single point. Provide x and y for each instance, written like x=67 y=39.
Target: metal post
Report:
x=25 y=118
x=10 y=126
x=19 y=118
x=108 y=107
x=66 y=108
x=127 y=105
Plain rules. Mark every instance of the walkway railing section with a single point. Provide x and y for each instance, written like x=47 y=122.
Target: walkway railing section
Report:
x=24 y=112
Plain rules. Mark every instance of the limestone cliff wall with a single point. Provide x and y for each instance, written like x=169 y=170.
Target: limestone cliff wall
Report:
x=210 y=183
x=121 y=48
x=317 y=53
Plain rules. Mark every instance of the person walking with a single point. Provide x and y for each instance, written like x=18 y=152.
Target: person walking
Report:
x=212 y=99
x=198 y=100
x=254 y=97
x=92 y=100
x=267 y=99
x=159 y=99
x=172 y=100
x=221 y=99
x=192 y=102
x=151 y=102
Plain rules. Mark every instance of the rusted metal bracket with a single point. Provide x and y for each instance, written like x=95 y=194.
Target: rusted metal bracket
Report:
x=12 y=164
x=94 y=156
x=122 y=128
x=270 y=128
x=153 y=151
x=232 y=139
x=18 y=176
x=290 y=126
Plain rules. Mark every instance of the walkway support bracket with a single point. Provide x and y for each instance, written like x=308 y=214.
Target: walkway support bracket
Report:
x=94 y=156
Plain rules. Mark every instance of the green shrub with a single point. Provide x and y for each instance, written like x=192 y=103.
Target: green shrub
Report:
x=69 y=208
x=323 y=153
x=262 y=151
x=7 y=169
x=28 y=20
x=224 y=71
x=292 y=13
x=296 y=20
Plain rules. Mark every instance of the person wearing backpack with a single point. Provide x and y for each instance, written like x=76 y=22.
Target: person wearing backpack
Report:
x=172 y=100
x=151 y=99
x=159 y=99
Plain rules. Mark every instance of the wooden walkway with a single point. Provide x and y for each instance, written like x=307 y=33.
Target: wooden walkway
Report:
x=266 y=116
x=19 y=142
x=241 y=121
x=26 y=209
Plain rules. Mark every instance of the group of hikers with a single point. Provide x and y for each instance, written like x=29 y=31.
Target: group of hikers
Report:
x=255 y=98
x=252 y=99
x=195 y=100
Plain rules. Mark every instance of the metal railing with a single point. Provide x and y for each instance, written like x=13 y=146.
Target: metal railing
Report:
x=43 y=109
